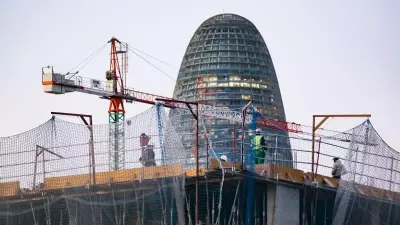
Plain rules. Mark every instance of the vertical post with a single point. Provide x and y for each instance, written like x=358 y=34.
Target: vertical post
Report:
x=391 y=173
x=312 y=147
x=234 y=145
x=207 y=156
x=44 y=167
x=275 y=150
x=244 y=113
x=319 y=149
x=35 y=168
x=197 y=163
x=242 y=140
x=92 y=149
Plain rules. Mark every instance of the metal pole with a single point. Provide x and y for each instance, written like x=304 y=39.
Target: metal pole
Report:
x=319 y=149
x=44 y=167
x=312 y=148
x=391 y=174
x=276 y=148
x=242 y=141
x=234 y=145
x=207 y=150
x=197 y=164
x=35 y=168
x=92 y=149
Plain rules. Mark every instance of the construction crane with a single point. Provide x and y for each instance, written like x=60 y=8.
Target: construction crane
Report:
x=116 y=92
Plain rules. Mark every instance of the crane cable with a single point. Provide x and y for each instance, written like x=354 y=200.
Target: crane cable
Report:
x=134 y=52
x=87 y=60
x=163 y=62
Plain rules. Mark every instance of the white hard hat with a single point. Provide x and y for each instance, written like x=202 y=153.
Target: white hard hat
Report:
x=223 y=157
x=258 y=131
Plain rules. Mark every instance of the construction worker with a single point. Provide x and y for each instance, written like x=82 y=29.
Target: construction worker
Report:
x=259 y=147
x=338 y=169
x=224 y=158
x=144 y=140
x=148 y=155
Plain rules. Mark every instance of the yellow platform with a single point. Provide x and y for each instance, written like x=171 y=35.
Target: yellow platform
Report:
x=119 y=176
x=9 y=188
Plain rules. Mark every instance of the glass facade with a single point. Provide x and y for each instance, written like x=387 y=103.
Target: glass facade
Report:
x=227 y=64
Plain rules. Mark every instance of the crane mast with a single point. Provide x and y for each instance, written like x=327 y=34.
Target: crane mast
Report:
x=116 y=79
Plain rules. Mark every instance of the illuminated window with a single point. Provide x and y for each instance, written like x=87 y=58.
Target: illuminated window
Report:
x=263 y=86
x=255 y=85
x=225 y=84
x=235 y=78
x=245 y=84
x=234 y=84
x=246 y=97
x=212 y=84
x=212 y=78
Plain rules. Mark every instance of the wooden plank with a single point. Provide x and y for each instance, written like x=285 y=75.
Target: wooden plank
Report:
x=118 y=176
x=192 y=172
x=320 y=179
x=214 y=164
x=328 y=182
x=153 y=172
x=66 y=181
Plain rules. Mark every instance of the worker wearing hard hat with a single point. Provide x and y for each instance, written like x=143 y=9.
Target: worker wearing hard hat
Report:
x=259 y=147
x=338 y=169
x=224 y=158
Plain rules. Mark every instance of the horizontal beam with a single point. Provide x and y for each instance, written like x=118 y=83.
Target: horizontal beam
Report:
x=70 y=114
x=343 y=115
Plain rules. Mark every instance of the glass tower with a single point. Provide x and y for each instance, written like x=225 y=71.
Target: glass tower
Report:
x=227 y=64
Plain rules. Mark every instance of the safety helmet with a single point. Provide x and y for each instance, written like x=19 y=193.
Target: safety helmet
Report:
x=258 y=131
x=335 y=159
x=224 y=158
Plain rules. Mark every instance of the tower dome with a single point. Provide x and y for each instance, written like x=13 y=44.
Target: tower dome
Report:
x=227 y=64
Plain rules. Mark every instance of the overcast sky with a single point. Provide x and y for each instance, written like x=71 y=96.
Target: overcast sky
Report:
x=330 y=56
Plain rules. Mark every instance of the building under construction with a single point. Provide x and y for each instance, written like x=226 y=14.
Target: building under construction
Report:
x=141 y=170
x=56 y=174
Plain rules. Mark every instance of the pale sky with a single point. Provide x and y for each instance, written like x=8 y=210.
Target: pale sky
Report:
x=330 y=56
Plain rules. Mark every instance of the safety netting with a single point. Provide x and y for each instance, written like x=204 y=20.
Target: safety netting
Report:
x=181 y=166
x=368 y=191
x=49 y=175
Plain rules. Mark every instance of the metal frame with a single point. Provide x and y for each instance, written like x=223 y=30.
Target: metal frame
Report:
x=41 y=150
x=92 y=167
x=195 y=114
x=244 y=117
x=316 y=127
